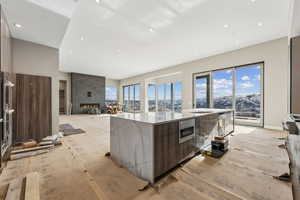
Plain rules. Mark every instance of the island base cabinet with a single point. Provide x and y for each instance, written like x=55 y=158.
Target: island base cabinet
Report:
x=168 y=153
x=151 y=150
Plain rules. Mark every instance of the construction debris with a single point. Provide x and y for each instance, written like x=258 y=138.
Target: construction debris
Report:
x=284 y=177
x=23 y=188
x=28 y=154
x=32 y=190
x=55 y=139
x=32 y=148
x=45 y=143
x=25 y=145
x=14 y=189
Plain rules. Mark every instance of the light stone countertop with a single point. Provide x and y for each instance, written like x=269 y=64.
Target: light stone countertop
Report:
x=163 y=117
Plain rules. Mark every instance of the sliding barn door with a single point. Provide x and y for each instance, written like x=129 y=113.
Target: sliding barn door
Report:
x=33 y=108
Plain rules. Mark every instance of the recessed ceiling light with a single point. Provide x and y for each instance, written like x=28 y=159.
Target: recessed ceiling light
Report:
x=81 y=38
x=18 y=25
x=151 y=30
x=98 y=1
x=260 y=24
x=226 y=26
x=253 y=1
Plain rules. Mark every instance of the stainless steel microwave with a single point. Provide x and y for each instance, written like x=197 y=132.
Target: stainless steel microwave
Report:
x=186 y=130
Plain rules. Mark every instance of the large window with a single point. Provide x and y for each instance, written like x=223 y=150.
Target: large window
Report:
x=152 y=98
x=177 y=91
x=222 y=89
x=165 y=97
x=160 y=98
x=111 y=95
x=202 y=94
x=126 y=98
x=249 y=94
x=238 y=88
x=131 y=98
x=137 y=102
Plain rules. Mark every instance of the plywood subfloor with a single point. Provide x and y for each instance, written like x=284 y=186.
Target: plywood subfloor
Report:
x=78 y=170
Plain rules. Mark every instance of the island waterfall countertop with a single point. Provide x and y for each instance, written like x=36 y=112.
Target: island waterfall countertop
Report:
x=163 y=117
x=151 y=144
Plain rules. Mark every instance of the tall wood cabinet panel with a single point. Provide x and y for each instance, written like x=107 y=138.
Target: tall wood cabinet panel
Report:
x=33 y=107
x=295 y=75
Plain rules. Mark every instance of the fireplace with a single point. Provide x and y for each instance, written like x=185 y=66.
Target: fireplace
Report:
x=88 y=93
x=90 y=108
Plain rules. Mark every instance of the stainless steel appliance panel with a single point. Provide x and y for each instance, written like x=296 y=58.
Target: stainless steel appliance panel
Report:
x=186 y=130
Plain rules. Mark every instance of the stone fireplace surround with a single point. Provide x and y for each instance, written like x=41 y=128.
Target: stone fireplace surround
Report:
x=88 y=93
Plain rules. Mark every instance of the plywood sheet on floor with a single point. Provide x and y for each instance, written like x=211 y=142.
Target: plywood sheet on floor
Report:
x=79 y=170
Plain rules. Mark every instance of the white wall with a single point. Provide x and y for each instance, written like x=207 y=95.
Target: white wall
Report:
x=35 y=59
x=273 y=53
x=114 y=83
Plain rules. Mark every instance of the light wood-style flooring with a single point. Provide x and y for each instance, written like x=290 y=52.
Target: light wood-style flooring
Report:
x=78 y=169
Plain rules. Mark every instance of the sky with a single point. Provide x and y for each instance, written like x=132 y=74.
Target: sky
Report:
x=247 y=82
x=110 y=93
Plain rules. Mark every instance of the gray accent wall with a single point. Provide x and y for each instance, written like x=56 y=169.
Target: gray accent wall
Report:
x=83 y=84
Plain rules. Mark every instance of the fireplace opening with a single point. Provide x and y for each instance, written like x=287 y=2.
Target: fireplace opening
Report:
x=90 y=108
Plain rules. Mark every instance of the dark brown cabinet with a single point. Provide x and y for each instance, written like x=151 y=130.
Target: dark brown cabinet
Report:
x=295 y=75
x=33 y=108
x=168 y=153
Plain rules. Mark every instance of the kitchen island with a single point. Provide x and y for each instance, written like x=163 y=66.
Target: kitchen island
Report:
x=151 y=144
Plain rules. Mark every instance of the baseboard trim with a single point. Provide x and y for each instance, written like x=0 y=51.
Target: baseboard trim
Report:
x=279 y=128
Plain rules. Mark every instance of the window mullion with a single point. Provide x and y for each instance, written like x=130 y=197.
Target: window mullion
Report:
x=234 y=89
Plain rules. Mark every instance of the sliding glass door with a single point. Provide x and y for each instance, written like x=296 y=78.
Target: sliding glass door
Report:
x=249 y=94
x=126 y=99
x=131 y=98
x=160 y=98
x=238 y=88
x=222 y=89
x=165 y=97
x=177 y=96
x=168 y=97
x=152 y=98
x=202 y=91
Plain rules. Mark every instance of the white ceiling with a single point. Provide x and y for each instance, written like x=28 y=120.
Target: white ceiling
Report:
x=43 y=21
x=122 y=38
x=294 y=18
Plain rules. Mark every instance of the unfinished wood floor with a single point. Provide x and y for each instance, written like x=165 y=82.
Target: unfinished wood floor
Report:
x=78 y=170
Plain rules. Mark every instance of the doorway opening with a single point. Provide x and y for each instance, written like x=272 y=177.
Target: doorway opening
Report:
x=62 y=97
